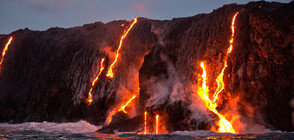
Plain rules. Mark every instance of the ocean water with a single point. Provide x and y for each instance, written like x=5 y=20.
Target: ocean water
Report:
x=84 y=130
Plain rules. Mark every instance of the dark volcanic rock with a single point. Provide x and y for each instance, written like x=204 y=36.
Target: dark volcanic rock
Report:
x=123 y=124
x=46 y=75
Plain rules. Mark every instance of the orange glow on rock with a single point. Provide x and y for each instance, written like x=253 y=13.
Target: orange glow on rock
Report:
x=203 y=92
x=90 y=99
x=110 y=74
x=121 y=108
x=220 y=83
x=109 y=118
x=233 y=33
x=219 y=80
x=4 y=50
x=224 y=124
x=110 y=71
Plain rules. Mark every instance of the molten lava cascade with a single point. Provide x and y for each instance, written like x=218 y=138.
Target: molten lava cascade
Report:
x=145 y=122
x=224 y=124
x=110 y=75
x=4 y=51
x=203 y=92
x=110 y=71
x=121 y=108
x=156 y=126
x=90 y=99
x=219 y=80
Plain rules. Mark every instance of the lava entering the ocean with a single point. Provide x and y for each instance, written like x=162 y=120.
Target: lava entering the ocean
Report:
x=4 y=51
x=203 y=92
x=145 y=122
x=224 y=124
x=110 y=75
x=156 y=126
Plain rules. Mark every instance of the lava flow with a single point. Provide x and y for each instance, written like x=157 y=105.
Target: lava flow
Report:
x=156 y=129
x=203 y=92
x=219 y=79
x=4 y=50
x=145 y=122
x=90 y=99
x=121 y=108
x=224 y=124
x=110 y=71
x=110 y=74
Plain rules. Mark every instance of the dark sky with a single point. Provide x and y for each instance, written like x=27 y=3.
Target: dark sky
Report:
x=43 y=14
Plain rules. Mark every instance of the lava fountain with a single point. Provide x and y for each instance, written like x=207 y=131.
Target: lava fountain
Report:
x=4 y=51
x=90 y=99
x=203 y=92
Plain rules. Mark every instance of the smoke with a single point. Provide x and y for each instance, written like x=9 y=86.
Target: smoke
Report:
x=143 y=8
x=249 y=121
x=197 y=107
x=109 y=52
x=172 y=88
x=127 y=81
x=165 y=88
x=159 y=32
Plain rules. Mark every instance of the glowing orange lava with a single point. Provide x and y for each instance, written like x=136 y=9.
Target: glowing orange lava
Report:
x=90 y=99
x=4 y=50
x=224 y=124
x=121 y=108
x=203 y=92
x=145 y=123
x=220 y=83
x=219 y=80
x=110 y=74
x=156 y=129
x=110 y=71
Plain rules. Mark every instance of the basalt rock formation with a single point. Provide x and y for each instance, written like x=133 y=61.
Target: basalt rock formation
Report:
x=46 y=75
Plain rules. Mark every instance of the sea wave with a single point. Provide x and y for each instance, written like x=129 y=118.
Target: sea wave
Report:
x=51 y=127
x=85 y=130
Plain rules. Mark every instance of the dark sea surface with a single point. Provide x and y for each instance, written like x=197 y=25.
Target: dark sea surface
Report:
x=84 y=130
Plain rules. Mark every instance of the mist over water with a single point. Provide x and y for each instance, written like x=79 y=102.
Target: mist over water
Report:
x=71 y=128
x=83 y=129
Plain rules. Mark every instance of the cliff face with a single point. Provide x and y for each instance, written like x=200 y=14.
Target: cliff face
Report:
x=46 y=75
